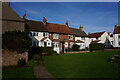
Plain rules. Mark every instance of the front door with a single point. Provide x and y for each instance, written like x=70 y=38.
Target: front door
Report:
x=45 y=43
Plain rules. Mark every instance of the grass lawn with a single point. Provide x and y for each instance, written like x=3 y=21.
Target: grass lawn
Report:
x=20 y=72
x=83 y=65
x=24 y=72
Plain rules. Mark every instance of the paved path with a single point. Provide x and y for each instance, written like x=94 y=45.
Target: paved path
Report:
x=41 y=73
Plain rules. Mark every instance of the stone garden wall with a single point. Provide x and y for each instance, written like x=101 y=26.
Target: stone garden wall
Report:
x=10 y=58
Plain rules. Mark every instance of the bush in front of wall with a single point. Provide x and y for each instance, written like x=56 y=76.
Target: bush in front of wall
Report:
x=75 y=47
x=33 y=51
x=96 y=47
x=16 y=40
x=21 y=62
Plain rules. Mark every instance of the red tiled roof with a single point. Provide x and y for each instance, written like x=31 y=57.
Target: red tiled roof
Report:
x=43 y=38
x=94 y=35
x=117 y=30
x=58 y=28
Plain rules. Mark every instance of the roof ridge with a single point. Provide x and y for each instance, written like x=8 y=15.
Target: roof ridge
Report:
x=97 y=32
x=56 y=24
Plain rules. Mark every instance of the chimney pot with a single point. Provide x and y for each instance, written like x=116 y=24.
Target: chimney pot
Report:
x=24 y=17
x=67 y=23
x=44 y=20
x=115 y=26
x=89 y=33
x=81 y=28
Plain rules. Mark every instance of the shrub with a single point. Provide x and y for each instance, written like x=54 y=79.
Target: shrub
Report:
x=47 y=50
x=33 y=51
x=36 y=57
x=16 y=40
x=39 y=50
x=69 y=49
x=21 y=62
x=86 y=48
x=96 y=47
x=75 y=47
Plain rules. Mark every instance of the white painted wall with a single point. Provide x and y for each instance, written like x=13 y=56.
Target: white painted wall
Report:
x=56 y=47
x=116 y=40
x=82 y=45
x=87 y=41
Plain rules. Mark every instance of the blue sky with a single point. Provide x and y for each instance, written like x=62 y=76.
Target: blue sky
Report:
x=93 y=16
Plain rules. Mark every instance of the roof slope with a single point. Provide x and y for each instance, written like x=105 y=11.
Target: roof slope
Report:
x=94 y=35
x=79 y=32
x=58 y=28
x=36 y=26
x=8 y=13
x=117 y=30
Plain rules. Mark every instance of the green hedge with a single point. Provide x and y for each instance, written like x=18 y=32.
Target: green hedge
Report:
x=39 y=50
x=75 y=47
x=96 y=47
x=16 y=40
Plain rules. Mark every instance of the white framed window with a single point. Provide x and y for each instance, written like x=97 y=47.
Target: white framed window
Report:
x=45 y=34
x=71 y=44
x=55 y=36
x=56 y=44
x=34 y=34
x=35 y=43
x=70 y=37
x=119 y=36
x=82 y=38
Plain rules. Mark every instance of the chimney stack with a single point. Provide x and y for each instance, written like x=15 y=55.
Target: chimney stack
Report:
x=67 y=23
x=24 y=17
x=115 y=26
x=81 y=28
x=89 y=33
x=44 y=20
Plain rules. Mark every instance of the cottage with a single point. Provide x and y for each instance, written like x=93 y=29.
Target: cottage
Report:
x=100 y=37
x=81 y=38
x=50 y=34
x=116 y=36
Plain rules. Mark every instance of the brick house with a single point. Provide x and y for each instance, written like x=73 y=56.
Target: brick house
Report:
x=11 y=21
x=116 y=36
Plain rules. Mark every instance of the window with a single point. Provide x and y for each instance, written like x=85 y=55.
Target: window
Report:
x=71 y=44
x=35 y=43
x=45 y=34
x=119 y=36
x=70 y=37
x=55 y=36
x=82 y=38
x=97 y=38
x=34 y=34
x=56 y=44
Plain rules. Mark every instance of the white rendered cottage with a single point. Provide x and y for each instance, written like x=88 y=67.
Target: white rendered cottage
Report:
x=81 y=38
x=100 y=37
x=38 y=34
x=116 y=37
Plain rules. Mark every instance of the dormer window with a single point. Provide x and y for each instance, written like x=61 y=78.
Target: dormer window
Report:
x=55 y=36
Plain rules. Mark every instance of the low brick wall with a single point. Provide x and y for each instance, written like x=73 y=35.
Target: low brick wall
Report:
x=11 y=57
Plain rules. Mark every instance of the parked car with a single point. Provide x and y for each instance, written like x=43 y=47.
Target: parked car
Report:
x=115 y=58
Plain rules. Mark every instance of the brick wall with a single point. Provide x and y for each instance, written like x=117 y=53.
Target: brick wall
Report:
x=12 y=57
